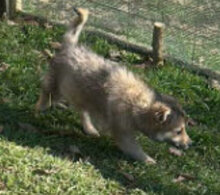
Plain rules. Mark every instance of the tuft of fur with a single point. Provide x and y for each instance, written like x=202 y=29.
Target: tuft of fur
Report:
x=72 y=35
x=111 y=97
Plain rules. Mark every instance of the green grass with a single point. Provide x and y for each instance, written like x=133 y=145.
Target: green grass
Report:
x=33 y=163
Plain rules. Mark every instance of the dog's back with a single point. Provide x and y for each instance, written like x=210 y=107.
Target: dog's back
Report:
x=92 y=83
x=82 y=75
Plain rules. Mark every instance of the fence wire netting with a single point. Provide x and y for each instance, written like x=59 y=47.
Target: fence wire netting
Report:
x=192 y=26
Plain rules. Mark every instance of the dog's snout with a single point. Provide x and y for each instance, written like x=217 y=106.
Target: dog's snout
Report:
x=185 y=146
x=190 y=142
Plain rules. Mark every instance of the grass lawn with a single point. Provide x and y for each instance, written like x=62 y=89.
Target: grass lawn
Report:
x=47 y=163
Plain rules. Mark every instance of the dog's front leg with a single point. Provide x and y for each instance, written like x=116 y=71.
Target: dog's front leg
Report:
x=88 y=127
x=43 y=102
x=128 y=144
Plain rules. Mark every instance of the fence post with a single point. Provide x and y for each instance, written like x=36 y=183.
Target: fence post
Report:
x=11 y=8
x=18 y=5
x=157 y=44
x=2 y=7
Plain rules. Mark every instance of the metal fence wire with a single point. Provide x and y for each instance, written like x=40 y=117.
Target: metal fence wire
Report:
x=192 y=26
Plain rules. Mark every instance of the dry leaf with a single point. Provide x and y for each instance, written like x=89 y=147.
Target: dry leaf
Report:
x=37 y=52
x=3 y=67
x=201 y=59
x=1 y=128
x=188 y=177
x=4 y=100
x=128 y=176
x=43 y=172
x=74 y=149
x=191 y=122
x=181 y=2
x=48 y=26
x=48 y=53
x=28 y=127
x=175 y=151
x=31 y=20
x=44 y=1
x=11 y=23
x=215 y=51
x=215 y=84
x=179 y=179
x=55 y=45
x=141 y=66
x=115 y=55
x=2 y=185
x=183 y=177
x=147 y=64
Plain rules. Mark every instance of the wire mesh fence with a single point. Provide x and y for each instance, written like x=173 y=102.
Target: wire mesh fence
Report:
x=192 y=26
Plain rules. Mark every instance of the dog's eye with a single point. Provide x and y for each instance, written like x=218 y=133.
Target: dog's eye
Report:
x=179 y=132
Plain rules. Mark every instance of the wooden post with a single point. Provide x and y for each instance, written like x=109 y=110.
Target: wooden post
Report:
x=157 y=44
x=18 y=5
x=11 y=8
x=2 y=8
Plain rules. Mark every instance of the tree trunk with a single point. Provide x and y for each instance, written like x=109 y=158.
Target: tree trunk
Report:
x=2 y=7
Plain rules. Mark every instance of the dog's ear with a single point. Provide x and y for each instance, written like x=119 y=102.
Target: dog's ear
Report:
x=161 y=113
x=188 y=121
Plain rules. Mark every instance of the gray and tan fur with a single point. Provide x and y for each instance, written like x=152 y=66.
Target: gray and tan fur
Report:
x=112 y=96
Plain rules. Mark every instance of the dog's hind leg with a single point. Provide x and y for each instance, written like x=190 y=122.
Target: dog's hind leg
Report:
x=48 y=94
x=128 y=144
x=44 y=100
x=88 y=127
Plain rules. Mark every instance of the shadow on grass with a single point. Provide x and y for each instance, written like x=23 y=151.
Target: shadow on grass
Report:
x=100 y=152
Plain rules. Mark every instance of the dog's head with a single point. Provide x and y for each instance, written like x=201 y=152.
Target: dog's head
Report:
x=166 y=121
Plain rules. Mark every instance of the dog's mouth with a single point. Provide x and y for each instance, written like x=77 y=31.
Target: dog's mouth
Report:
x=182 y=145
x=179 y=145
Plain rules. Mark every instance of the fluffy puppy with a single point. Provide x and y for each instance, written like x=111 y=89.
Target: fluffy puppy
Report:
x=111 y=97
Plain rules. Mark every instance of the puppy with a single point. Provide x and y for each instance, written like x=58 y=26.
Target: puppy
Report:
x=111 y=96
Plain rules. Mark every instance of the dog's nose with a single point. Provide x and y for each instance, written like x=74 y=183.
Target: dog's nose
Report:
x=187 y=145
x=190 y=142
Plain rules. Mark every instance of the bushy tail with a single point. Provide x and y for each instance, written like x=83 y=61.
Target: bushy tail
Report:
x=72 y=35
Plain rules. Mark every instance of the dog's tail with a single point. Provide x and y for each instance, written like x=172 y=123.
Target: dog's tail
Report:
x=72 y=35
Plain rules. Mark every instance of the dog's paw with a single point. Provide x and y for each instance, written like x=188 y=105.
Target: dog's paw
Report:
x=90 y=131
x=150 y=160
x=92 y=134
